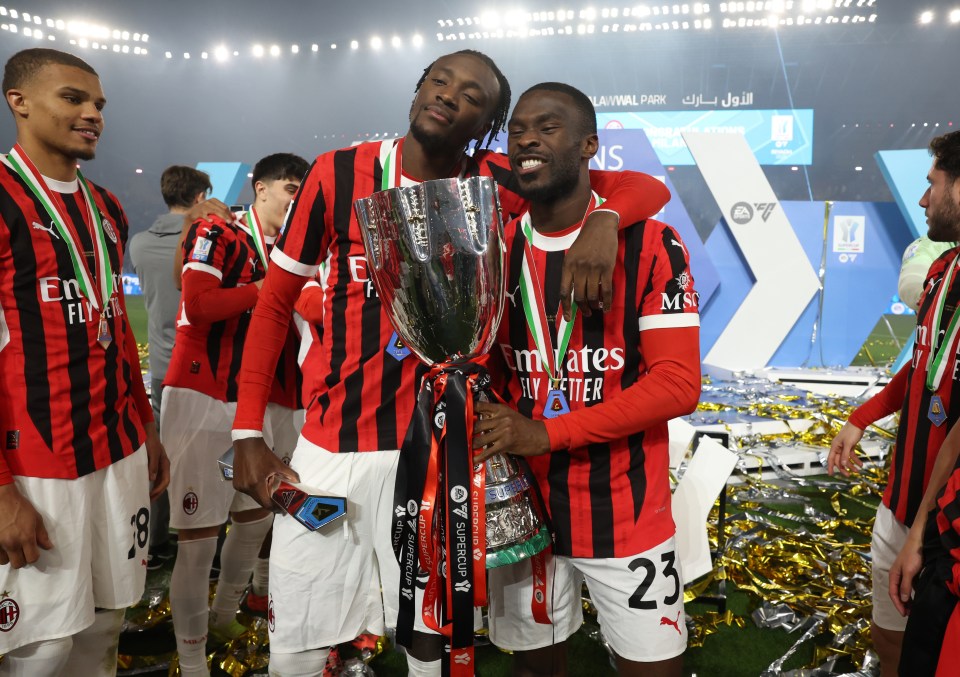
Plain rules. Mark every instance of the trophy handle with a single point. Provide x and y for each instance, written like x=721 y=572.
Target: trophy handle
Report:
x=371 y=234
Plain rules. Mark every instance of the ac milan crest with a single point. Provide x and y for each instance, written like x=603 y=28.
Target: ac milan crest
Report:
x=271 y=617
x=190 y=502
x=9 y=613
x=108 y=228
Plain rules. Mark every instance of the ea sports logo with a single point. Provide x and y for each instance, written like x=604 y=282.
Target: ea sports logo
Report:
x=458 y=493
x=411 y=507
x=190 y=502
x=439 y=419
x=9 y=614
x=741 y=213
x=538 y=596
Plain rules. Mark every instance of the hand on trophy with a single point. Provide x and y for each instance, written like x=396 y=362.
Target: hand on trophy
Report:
x=502 y=430
x=255 y=469
x=587 y=275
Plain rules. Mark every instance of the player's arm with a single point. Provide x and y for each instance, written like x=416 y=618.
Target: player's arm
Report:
x=842 y=456
x=587 y=275
x=22 y=532
x=206 y=254
x=670 y=388
x=910 y=560
x=293 y=261
x=310 y=302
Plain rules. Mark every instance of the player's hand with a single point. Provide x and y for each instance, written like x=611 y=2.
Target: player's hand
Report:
x=502 y=430
x=21 y=529
x=157 y=462
x=254 y=465
x=904 y=570
x=587 y=273
x=843 y=455
x=206 y=209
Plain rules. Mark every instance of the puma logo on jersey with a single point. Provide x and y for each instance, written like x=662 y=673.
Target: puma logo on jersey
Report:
x=678 y=244
x=512 y=296
x=49 y=229
x=676 y=624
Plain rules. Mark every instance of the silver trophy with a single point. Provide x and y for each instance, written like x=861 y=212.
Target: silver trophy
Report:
x=436 y=256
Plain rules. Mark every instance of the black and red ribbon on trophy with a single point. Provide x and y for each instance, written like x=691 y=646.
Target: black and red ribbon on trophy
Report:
x=439 y=513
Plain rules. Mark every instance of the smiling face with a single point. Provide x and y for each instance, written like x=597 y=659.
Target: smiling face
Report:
x=455 y=104
x=548 y=145
x=59 y=113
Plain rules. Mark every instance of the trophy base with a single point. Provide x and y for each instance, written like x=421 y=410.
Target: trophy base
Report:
x=518 y=552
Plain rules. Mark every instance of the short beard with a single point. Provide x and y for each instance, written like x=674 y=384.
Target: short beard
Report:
x=85 y=155
x=568 y=176
x=431 y=143
x=944 y=226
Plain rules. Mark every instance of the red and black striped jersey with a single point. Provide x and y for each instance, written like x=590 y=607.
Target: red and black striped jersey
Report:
x=612 y=498
x=364 y=397
x=220 y=267
x=66 y=404
x=918 y=439
x=288 y=386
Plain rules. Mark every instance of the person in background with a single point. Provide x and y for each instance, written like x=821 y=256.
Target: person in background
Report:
x=151 y=252
x=925 y=391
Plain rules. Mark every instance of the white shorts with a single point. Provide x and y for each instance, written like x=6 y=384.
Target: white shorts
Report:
x=284 y=425
x=99 y=528
x=889 y=537
x=331 y=585
x=196 y=433
x=639 y=601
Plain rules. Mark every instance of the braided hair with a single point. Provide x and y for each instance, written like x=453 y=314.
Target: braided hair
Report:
x=499 y=120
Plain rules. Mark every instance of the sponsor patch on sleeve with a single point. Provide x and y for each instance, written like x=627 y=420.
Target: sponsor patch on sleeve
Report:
x=201 y=250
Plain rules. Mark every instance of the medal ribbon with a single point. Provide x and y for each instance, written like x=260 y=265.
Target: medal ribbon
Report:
x=531 y=291
x=98 y=293
x=392 y=166
x=259 y=241
x=936 y=362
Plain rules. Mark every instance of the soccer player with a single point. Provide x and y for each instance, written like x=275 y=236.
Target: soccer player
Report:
x=925 y=391
x=325 y=587
x=80 y=448
x=151 y=253
x=224 y=265
x=594 y=396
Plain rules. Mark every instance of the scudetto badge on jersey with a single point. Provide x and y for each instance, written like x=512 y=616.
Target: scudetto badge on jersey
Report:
x=201 y=250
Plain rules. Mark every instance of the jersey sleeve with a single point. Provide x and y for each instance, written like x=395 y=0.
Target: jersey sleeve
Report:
x=305 y=238
x=266 y=337
x=206 y=302
x=633 y=196
x=206 y=248
x=884 y=403
x=310 y=303
x=669 y=388
x=667 y=296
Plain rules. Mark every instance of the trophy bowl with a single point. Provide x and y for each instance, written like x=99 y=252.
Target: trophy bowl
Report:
x=435 y=252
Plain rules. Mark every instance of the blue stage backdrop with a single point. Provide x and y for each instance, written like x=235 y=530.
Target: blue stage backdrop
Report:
x=777 y=137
